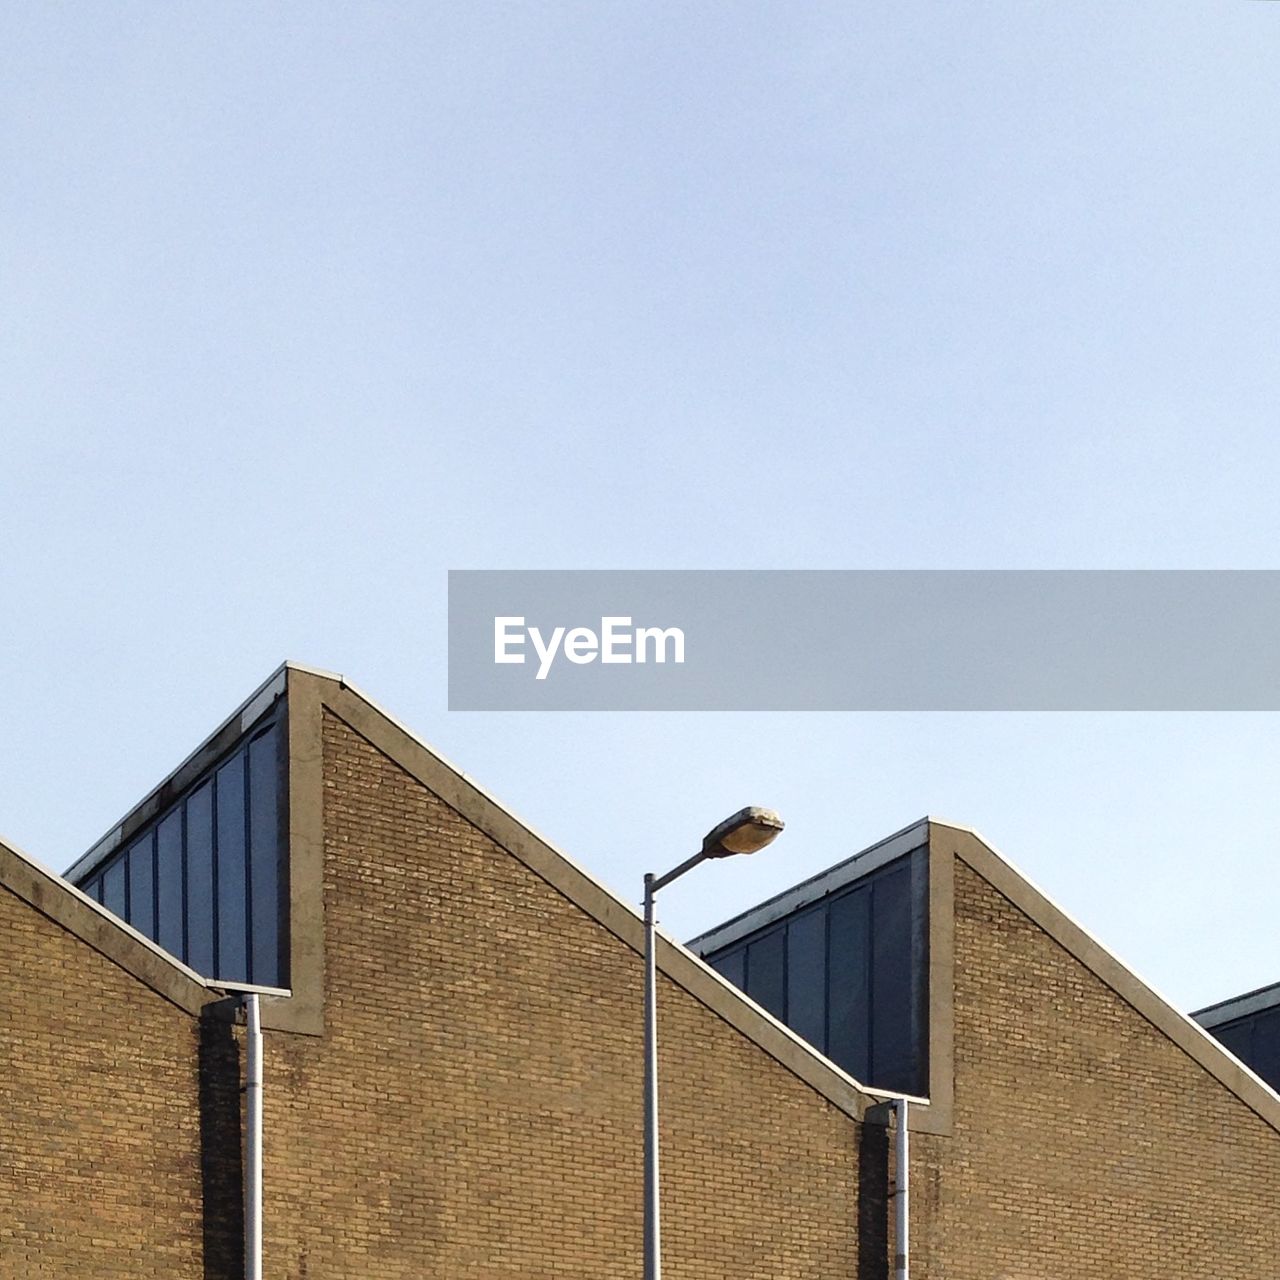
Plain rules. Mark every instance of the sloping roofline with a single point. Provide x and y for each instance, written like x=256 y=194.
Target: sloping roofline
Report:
x=947 y=841
x=862 y=863
x=311 y=692
x=1188 y=1034
x=64 y=904
x=683 y=966
x=1241 y=1006
x=234 y=727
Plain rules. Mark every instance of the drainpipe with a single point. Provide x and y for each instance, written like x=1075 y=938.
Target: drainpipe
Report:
x=253 y=1140
x=901 y=1193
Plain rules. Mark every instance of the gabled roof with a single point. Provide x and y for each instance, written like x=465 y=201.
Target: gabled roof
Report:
x=98 y=928
x=1188 y=1034
x=310 y=690
x=161 y=795
x=948 y=840
x=813 y=889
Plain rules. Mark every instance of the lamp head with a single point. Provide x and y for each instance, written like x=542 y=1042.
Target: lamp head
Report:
x=748 y=831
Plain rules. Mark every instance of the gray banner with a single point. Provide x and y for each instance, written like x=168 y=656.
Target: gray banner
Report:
x=864 y=640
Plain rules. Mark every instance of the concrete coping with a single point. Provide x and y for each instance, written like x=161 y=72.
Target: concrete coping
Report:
x=64 y=904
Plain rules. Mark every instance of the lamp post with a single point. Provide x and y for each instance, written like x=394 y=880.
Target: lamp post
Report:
x=747 y=831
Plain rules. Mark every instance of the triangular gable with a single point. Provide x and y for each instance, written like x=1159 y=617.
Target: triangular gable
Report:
x=311 y=692
x=993 y=867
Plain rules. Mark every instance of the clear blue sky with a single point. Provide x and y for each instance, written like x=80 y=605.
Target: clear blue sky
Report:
x=305 y=305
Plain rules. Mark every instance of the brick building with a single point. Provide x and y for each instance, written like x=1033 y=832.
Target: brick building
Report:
x=453 y=1079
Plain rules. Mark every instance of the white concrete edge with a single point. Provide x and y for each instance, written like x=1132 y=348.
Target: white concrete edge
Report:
x=483 y=792
x=63 y=885
x=248 y=988
x=719 y=979
x=778 y=1025
x=1186 y=1019
x=256 y=703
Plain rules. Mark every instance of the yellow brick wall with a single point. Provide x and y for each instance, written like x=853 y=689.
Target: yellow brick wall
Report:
x=99 y=1114
x=474 y=1108
x=1086 y=1143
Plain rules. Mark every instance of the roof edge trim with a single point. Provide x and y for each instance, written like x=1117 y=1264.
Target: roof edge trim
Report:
x=998 y=871
x=95 y=926
x=464 y=795
x=243 y=717
x=911 y=837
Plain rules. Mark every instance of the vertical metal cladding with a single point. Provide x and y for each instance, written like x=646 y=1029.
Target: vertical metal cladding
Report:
x=203 y=879
x=849 y=973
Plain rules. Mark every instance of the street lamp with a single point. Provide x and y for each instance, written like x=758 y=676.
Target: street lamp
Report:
x=748 y=831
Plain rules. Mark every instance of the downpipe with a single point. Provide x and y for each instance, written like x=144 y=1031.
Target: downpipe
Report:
x=253 y=1139
x=901 y=1192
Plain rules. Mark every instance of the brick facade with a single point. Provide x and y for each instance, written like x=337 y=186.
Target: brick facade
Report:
x=470 y=1106
x=488 y=1035
x=1086 y=1143
x=100 y=1118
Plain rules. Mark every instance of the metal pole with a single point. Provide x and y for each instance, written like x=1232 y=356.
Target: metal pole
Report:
x=652 y=1227
x=902 y=1193
x=716 y=844
x=253 y=1141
